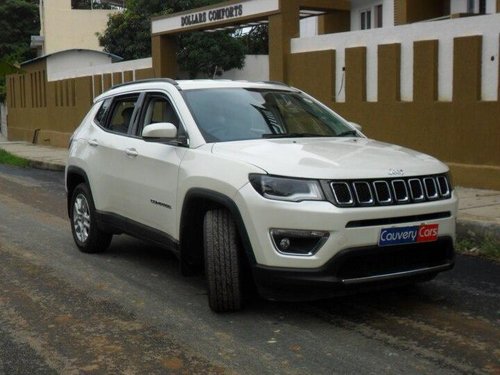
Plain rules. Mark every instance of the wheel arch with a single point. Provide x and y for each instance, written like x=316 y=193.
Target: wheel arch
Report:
x=196 y=203
x=74 y=177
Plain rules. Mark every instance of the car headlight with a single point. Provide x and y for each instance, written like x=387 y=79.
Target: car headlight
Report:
x=286 y=189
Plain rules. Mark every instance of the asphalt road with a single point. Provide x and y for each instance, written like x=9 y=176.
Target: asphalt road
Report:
x=129 y=310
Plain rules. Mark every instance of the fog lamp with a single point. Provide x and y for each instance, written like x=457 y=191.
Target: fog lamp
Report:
x=298 y=242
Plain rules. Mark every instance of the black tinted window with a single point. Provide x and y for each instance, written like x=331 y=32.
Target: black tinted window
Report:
x=120 y=118
x=100 y=117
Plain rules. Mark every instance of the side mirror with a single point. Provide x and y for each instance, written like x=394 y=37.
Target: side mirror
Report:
x=357 y=126
x=159 y=131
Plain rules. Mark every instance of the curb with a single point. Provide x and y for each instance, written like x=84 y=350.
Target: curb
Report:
x=478 y=231
x=45 y=165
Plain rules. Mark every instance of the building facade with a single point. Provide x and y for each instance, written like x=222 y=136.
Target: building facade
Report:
x=62 y=27
x=419 y=73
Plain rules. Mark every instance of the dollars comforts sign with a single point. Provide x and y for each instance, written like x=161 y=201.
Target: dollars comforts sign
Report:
x=230 y=13
x=212 y=15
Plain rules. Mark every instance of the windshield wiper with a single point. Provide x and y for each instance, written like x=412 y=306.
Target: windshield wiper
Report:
x=347 y=133
x=293 y=135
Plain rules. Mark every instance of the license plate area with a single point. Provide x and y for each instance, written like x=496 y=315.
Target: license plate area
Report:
x=407 y=235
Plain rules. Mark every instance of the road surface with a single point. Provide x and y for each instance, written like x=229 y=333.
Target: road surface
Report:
x=130 y=311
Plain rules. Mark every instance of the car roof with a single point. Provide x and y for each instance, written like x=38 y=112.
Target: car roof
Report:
x=196 y=84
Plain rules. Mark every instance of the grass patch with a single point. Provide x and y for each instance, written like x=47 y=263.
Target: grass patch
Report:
x=487 y=246
x=7 y=158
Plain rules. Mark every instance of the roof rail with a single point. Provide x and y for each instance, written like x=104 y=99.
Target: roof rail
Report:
x=276 y=83
x=168 y=80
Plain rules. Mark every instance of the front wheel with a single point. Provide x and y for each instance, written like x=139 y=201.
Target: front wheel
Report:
x=222 y=262
x=88 y=237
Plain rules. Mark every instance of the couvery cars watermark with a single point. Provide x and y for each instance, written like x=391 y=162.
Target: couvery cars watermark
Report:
x=404 y=235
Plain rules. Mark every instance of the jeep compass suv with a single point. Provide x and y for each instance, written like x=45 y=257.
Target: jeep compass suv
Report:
x=257 y=183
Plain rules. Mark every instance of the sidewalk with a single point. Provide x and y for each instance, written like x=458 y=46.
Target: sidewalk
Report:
x=478 y=213
x=42 y=157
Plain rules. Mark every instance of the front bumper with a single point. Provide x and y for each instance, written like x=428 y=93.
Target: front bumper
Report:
x=348 y=228
x=357 y=269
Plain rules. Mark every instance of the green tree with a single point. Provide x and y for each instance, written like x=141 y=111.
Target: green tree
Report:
x=208 y=53
x=128 y=34
x=256 y=40
x=19 y=19
x=89 y=4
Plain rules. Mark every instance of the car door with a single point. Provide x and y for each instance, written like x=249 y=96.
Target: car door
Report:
x=151 y=168
x=107 y=142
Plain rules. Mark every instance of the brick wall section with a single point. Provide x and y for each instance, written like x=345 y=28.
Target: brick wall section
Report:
x=389 y=73
x=467 y=69
x=307 y=64
x=425 y=71
x=49 y=112
x=355 y=74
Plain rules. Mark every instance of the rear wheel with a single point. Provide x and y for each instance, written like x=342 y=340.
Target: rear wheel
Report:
x=88 y=237
x=222 y=262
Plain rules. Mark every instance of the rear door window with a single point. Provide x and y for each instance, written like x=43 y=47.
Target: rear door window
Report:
x=121 y=114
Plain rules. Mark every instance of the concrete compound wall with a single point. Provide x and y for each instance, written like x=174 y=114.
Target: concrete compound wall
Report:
x=47 y=111
x=433 y=88
x=48 y=102
x=443 y=31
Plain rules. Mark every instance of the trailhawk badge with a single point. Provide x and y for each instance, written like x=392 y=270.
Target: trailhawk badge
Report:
x=406 y=235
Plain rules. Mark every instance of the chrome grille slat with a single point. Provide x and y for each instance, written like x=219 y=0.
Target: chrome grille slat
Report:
x=363 y=193
x=390 y=191
x=416 y=189
x=400 y=191
x=382 y=192
x=342 y=193
x=444 y=186
x=431 y=190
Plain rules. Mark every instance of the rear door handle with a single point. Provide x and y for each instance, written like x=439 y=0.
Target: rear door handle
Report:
x=93 y=142
x=132 y=152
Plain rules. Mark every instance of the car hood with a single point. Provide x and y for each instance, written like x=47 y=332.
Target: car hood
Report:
x=332 y=158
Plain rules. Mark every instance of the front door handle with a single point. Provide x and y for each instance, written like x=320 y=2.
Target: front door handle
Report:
x=132 y=152
x=93 y=142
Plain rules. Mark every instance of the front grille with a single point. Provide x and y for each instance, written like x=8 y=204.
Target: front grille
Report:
x=391 y=191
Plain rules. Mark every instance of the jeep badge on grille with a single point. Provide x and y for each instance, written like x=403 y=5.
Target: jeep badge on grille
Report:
x=396 y=172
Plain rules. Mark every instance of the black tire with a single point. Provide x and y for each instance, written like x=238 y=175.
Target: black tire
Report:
x=222 y=262
x=87 y=236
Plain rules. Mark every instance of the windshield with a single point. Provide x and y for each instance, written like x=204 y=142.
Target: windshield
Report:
x=239 y=114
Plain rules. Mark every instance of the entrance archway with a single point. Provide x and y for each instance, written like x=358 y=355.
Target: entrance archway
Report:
x=283 y=17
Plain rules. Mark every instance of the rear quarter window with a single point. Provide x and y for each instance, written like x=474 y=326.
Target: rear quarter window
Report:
x=101 y=114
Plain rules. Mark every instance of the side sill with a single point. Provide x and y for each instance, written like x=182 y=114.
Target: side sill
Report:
x=118 y=224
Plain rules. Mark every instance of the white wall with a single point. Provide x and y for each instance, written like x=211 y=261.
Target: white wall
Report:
x=64 y=64
x=445 y=31
x=256 y=69
x=308 y=27
x=460 y=6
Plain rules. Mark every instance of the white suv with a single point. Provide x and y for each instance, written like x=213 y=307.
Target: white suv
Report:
x=257 y=183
